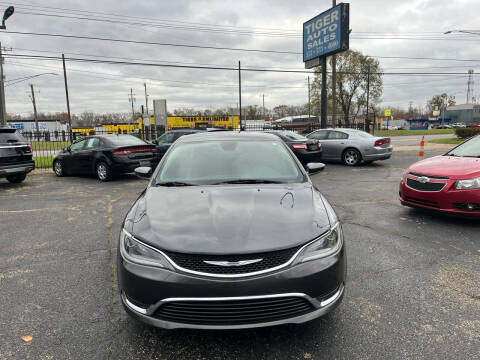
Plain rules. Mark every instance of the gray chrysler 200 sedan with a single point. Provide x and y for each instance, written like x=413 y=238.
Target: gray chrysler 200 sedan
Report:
x=230 y=233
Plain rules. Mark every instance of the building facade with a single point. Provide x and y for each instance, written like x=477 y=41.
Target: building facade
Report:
x=464 y=113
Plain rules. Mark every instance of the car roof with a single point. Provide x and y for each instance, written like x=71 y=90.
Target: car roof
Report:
x=228 y=135
x=347 y=130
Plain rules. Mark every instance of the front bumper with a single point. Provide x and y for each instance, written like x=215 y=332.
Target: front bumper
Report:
x=448 y=200
x=145 y=290
x=23 y=168
x=321 y=308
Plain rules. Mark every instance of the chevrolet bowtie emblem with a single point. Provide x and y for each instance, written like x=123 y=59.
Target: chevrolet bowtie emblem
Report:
x=233 y=263
x=423 y=179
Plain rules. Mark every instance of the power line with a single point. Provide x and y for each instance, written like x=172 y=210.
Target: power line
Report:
x=113 y=62
x=219 y=48
x=151 y=42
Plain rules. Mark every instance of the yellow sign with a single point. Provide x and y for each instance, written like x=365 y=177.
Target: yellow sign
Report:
x=388 y=112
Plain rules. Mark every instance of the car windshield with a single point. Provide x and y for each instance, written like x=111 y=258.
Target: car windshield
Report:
x=125 y=140
x=213 y=162
x=290 y=135
x=471 y=148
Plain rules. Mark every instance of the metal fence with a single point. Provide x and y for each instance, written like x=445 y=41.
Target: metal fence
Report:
x=47 y=144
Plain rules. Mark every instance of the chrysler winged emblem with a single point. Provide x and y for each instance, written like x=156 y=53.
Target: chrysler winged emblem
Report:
x=423 y=179
x=233 y=263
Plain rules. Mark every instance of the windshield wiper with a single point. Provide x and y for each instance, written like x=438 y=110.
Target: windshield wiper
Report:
x=249 y=181
x=173 y=183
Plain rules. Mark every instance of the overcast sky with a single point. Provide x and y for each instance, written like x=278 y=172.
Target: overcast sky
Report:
x=236 y=24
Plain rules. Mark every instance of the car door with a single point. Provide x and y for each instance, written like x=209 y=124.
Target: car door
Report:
x=71 y=160
x=335 y=143
x=86 y=156
x=322 y=137
x=164 y=142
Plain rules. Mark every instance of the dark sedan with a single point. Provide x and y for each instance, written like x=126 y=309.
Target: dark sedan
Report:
x=306 y=150
x=230 y=233
x=164 y=142
x=105 y=156
x=16 y=159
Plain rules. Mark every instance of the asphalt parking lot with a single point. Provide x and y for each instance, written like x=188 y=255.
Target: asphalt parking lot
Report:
x=413 y=289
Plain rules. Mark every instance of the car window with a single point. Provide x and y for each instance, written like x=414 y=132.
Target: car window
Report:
x=77 y=145
x=363 y=134
x=10 y=136
x=92 y=143
x=217 y=161
x=166 y=138
x=125 y=140
x=471 y=148
x=337 y=135
x=318 y=135
x=181 y=133
x=290 y=135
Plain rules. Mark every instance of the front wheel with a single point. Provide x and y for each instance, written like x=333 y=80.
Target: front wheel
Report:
x=16 y=179
x=103 y=172
x=351 y=157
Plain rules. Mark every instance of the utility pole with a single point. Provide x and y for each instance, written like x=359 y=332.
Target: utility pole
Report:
x=334 y=83
x=132 y=100
x=68 y=100
x=308 y=79
x=368 y=96
x=3 y=112
x=146 y=98
x=263 y=105
x=35 y=112
x=324 y=93
x=240 y=95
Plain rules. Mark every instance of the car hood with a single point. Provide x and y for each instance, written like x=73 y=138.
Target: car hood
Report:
x=454 y=167
x=229 y=219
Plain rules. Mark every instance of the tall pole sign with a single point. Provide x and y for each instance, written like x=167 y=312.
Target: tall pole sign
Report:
x=325 y=34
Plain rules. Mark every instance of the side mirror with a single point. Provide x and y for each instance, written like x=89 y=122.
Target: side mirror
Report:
x=315 y=167
x=66 y=148
x=143 y=172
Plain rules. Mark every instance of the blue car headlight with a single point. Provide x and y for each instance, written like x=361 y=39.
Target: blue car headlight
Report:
x=325 y=245
x=138 y=252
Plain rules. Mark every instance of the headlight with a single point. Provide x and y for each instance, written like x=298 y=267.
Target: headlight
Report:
x=325 y=245
x=468 y=184
x=140 y=253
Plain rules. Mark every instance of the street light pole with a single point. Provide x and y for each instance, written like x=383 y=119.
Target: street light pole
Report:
x=3 y=112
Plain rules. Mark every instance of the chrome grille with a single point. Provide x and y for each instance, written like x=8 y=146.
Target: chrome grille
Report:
x=233 y=312
x=197 y=262
x=428 y=186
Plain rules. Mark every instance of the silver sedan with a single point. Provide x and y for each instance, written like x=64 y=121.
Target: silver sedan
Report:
x=352 y=146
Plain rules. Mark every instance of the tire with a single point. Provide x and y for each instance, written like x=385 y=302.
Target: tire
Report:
x=58 y=168
x=16 y=179
x=351 y=157
x=103 y=171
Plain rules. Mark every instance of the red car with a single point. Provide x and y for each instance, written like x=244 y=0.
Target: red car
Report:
x=448 y=183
